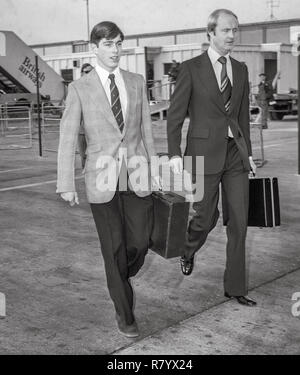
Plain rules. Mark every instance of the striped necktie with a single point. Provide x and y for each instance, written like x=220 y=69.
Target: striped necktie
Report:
x=115 y=102
x=225 y=84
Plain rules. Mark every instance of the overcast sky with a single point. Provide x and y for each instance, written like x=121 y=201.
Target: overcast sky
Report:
x=41 y=21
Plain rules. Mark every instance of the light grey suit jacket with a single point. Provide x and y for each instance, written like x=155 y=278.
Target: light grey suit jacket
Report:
x=87 y=100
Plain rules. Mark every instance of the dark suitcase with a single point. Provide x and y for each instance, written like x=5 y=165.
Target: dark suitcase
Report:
x=171 y=213
x=264 y=208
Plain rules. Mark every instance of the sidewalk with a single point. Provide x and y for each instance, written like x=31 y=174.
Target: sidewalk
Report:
x=232 y=329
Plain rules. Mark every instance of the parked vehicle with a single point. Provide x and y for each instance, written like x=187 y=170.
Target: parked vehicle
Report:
x=283 y=104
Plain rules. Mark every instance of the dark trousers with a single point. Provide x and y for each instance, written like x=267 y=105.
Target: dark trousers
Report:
x=124 y=228
x=235 y=191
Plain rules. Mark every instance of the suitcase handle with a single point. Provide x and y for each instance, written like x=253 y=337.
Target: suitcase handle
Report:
x=161 y=192
x=170 y=194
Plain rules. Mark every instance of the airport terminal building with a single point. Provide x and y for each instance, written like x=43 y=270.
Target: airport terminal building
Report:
x=264 y=46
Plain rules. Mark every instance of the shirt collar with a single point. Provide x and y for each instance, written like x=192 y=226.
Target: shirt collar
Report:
x=103 y=73
x=214 y=55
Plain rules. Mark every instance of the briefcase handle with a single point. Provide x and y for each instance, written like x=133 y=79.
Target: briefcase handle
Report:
x=170 y=194
x=167 y=193
x=251 y=174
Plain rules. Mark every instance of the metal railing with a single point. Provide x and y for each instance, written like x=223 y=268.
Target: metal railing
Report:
x=256 y=133
x=16 y=126
x=51 y=114
x=160 y=91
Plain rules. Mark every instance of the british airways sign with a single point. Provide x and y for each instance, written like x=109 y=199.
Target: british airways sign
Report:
x=29 y=69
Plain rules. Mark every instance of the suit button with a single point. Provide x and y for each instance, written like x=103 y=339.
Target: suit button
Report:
x=122 y=140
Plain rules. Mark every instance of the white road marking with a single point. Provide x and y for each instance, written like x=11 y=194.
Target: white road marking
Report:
x=283 y=130
x=15 y=170
x=274 y=144
x=33 y=185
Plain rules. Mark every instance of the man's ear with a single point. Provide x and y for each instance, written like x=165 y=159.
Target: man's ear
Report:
x=94 y=48
x=210 y=34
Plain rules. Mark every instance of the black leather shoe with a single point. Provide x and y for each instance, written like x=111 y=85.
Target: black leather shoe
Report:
x=126 y=329
x=187 y=265
x=242 y=300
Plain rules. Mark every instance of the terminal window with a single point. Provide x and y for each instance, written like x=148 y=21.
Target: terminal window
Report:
x=80 y=47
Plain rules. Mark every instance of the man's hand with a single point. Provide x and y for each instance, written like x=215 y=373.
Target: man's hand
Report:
x=252 y=165
x=71 y=197
x=156 y=183
x=176 y=164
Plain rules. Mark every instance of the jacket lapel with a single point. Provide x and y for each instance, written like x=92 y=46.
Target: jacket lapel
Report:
x=131 y=89
x=237 y=87
x=98 y=96
x=209 y=80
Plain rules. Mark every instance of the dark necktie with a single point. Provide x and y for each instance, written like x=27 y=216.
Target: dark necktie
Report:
x=225 y=83
x=115 y=102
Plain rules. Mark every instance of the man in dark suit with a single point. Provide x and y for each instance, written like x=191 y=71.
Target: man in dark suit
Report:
x=213 y=90
x=117 y=124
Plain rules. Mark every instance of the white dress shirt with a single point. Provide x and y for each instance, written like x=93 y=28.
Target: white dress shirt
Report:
x=217 y=66
x=103 y=75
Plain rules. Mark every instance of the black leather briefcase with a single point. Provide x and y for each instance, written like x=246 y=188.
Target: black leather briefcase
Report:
x=264 y=208
x=171 y=213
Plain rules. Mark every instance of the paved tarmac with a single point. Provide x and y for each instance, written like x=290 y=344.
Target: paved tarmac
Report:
x=52 y=274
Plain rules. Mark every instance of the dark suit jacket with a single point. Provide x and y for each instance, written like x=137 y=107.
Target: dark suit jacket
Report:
x=197 y=95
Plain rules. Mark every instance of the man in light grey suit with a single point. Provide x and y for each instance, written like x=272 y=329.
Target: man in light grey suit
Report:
x=114 y=108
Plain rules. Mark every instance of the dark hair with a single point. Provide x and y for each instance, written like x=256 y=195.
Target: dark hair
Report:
x=86 y=65
x=105 y=29
x=213 y=19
